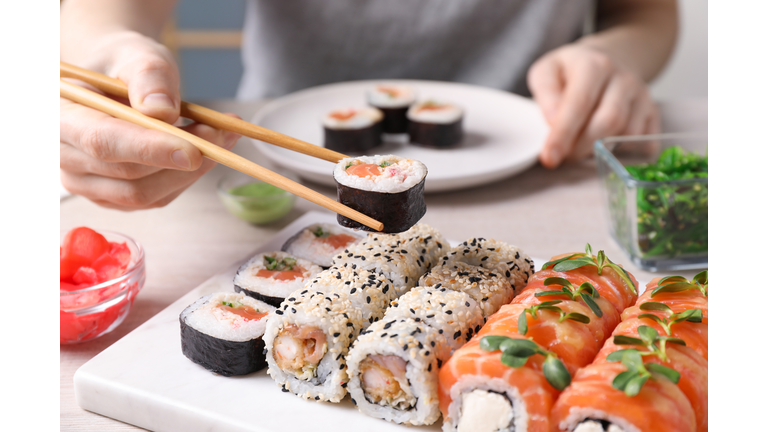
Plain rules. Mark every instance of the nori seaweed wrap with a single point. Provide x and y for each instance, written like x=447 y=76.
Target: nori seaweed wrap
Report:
x=222 y=332
x=388 y=188
x=353 y=131
x=393 y=101
x=435 y=124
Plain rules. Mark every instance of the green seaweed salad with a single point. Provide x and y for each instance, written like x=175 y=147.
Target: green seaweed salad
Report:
x=672 y=220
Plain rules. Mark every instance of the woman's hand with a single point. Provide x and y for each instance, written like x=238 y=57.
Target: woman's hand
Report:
x=121 y=165
x=585 y=95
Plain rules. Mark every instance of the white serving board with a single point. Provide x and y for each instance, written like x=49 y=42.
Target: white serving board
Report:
x=144 y=379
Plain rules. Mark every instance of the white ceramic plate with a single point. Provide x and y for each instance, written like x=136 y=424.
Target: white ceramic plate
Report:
x=504 y=133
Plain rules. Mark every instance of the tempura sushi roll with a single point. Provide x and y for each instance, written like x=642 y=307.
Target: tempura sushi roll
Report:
x=402 y=258
x=306 y=339
x=435 y=124
x=499 y=257
x=393 y=101
x=393 y=371
x=320 y=242
x=489 y=289
x=387 y=188
x=222 y=332
x=326 y=316
x=353 y=130
x=272 y=276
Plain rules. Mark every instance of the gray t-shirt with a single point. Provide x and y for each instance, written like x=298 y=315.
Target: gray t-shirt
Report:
x=289 y=45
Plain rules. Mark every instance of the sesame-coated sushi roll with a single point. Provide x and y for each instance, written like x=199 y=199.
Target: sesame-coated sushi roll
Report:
x=222 y=332
x=392 y=371
x=499 y=257
x=272 y=276
x=490 y=290
x=320 y=242
x=353 y=130
x=387 y=188
x=306 y=339
x=403 y=258
x=393 y=101
x=435 y=124
x=454 y=314
x=350 y=299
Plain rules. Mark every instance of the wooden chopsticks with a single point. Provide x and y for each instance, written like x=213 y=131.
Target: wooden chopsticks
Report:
x=204 y=115
x=225 y=157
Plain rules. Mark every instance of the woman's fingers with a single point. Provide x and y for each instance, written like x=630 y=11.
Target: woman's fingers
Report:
x=154 y=190
x=585 y=77
x=113 y=140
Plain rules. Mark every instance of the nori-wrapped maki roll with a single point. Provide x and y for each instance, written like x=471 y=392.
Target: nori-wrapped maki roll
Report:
x=387 y=188
x=272 y=276
x=393 y=101
x=435 y=124
x=353 y=130
x=222 y=332
x=320 y=242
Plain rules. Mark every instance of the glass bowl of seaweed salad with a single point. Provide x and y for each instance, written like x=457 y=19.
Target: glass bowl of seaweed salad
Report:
x=656 y=191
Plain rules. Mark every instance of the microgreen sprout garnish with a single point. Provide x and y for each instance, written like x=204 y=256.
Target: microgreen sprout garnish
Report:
x=515 y=353
x=522 y=320
x=632 y=380
x=384 y=164
x=318 y=232
x=650 y=339
x=679 y=283
x=600 y=261
x=226 y=303
x=690 y=315
x=283 y=264
x=348 y=165
x=586 y=292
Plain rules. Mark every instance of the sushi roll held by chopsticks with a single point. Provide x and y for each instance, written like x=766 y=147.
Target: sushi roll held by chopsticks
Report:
x=387 y=188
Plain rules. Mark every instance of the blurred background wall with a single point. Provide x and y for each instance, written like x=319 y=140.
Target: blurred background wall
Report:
x=205 y=37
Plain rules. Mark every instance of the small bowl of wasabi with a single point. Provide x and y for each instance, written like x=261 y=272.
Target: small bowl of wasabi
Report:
x=253 y=200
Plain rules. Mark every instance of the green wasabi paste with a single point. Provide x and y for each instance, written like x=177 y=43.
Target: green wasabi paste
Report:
x=258 y=202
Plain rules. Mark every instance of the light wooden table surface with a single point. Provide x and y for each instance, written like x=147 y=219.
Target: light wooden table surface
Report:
x=194 y=237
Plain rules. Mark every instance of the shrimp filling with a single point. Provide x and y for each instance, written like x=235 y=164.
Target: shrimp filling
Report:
x=298 y=350
x=485 y=411
x=384 y=381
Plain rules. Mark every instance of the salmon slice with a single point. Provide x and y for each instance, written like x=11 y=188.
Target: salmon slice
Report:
x=282 y=275
x=677 y=301
x=695 y=335
x=337 y=241
x=661 y=406
x=691 y=365
x=364 y=170
x=471 y=361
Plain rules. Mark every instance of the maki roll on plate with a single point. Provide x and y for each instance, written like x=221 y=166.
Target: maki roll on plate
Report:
x=223 y=332
x=272 y=276
x=387 y=188
x=435 y=124
x=353 y=130
x=320 y=242
x=393 y=101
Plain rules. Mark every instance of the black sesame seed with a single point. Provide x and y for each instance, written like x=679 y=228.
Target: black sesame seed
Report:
x=457 y=335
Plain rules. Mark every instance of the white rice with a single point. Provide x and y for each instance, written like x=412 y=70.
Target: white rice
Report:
x=576 y=415
x=306 y=245
x=391 y=96
x=400 y=175
x=439 y=112
x=206 y=317
x=246 y=276
x=359 y=118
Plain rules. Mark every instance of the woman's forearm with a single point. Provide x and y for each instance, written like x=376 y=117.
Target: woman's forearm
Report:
x=638 y=34
x=87 y=24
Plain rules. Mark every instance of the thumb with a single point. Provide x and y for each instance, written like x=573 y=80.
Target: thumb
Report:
x=153 y=84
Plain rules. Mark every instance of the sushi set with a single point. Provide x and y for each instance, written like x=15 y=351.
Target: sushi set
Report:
x=458 y=130
x=413 y=328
